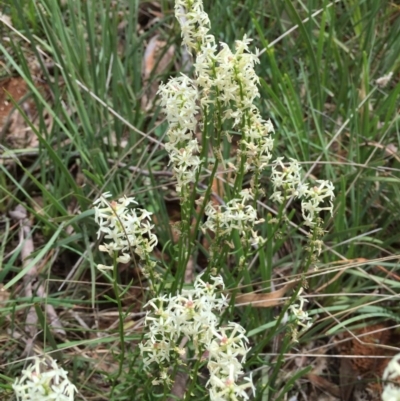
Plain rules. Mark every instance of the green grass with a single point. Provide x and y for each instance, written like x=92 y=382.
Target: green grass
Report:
x=317 y=84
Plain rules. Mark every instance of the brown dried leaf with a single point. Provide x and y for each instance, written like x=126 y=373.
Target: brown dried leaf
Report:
x=265 y=300
x=5 y=19
x=152 y=63
x=324 y=385
x=370 y=341
x=157 y=58
x=14 y=88
x=13 y=127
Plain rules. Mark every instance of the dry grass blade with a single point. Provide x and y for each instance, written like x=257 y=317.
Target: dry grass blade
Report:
x=20 y=214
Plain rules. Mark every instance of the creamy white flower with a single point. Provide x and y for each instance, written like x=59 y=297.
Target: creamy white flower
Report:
x=391 y=380
x=104 y=267
x=194 y=22
x=229 y=78
x=179 y=99
x=300 y=315
x=44 y=381
x=391 y=393
x=392 y=370
x=191 y=314
x=313 y=198
x=126 y=229
x=235 y=215
x=223 y=388
x=287 y=182
x=188 y=313
x=229 y=343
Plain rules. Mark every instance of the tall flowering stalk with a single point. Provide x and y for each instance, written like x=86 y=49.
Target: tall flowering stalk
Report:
x=184 y=328
x=126 y=230
x=222 y=93
x=225 y=78
x=189 y=315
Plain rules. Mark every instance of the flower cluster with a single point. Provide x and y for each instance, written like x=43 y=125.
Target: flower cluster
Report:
x=127 y=229
x=191 y=315
x=287 y=183
x=195 y=25
x=44 y=381
x=224 y=366
x=178 y=97
x=391 y=380
x=301 y=317
x=231 y=77
x=237 y=86
x=194 y=22
x=188 y=314
x=286 y=180
x=237 y=214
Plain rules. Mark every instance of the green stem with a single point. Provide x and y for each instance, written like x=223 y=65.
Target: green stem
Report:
x=120 y=320
x=193 y=379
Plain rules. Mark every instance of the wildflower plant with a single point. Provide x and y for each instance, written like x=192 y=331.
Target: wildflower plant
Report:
x=188 y=328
